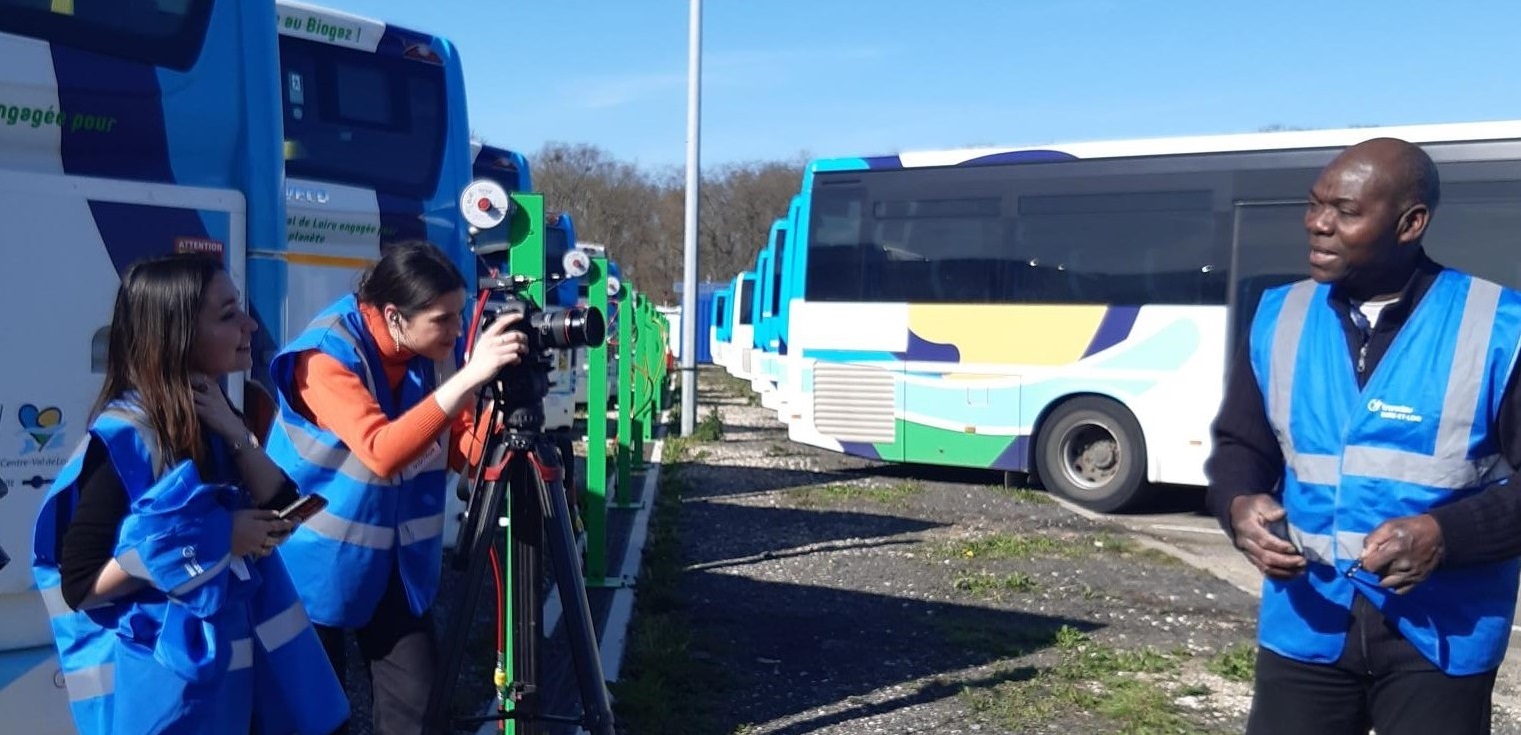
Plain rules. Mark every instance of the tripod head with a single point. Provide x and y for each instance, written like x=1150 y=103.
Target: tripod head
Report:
x=519 y=390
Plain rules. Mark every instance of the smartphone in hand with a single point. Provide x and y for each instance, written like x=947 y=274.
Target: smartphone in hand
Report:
x=1280 y=528
x=305 y=507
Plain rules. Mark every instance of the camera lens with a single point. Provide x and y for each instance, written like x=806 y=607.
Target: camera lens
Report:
x=569 y=328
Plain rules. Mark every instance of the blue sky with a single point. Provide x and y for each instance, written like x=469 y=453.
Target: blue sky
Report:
x=863 y=77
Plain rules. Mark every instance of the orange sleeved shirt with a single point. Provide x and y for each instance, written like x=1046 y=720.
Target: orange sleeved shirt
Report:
x=336 y=399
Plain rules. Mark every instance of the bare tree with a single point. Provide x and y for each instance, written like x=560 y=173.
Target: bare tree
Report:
x=640 y=215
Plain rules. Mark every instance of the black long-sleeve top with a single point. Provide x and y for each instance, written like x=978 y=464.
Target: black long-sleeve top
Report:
x=88 y=538
x=1246 y=458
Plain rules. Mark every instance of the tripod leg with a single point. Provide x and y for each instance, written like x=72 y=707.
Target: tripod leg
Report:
x=527 y=601
x=480 y=525
x=572 y=586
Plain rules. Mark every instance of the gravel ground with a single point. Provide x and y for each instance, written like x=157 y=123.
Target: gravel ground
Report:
x=840 y=596
x=827 y=594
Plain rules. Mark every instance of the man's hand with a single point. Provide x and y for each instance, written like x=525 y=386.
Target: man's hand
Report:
x=1403 y=551
x=1274 y=557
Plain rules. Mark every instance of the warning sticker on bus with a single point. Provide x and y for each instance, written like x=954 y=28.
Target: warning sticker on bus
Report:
x=197 y=245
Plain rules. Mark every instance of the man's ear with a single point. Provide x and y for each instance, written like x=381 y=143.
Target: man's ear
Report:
x=1413 y=222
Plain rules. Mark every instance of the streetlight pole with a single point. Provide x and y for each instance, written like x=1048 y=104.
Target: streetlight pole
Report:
x=689 y=266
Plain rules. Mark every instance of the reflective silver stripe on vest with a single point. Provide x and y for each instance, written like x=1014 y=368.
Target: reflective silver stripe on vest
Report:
x=131 y=562
x=91 y=683
x=1466 y=375
x=1323 y=549
x=416 y=530
x=242 y=654
x=338 y=328
x=1283 y=360
x=314 y=451
x=52 y=597
x=1422 y=469
x=283 y=627
x=1315 y=469
x=1318 y=469
x=342 y=530
x=1449 y=468
x=100 y=681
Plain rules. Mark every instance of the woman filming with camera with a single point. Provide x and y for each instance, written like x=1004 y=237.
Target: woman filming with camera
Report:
x=373 y=409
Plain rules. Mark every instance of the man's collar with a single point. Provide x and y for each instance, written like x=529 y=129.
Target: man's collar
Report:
x=1425 y=273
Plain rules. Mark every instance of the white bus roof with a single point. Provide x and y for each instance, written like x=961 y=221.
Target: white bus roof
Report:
x=1236 y=142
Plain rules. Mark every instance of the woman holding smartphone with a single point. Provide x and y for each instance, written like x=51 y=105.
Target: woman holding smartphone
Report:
x=373 y=407
x=153 y=546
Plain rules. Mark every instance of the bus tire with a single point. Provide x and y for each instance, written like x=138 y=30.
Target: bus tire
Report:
x=1090 y=451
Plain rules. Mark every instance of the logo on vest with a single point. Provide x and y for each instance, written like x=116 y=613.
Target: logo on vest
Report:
x=1394 y=412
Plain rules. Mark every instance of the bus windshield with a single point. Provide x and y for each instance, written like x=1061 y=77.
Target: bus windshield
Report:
x=364 y=119
x=166 y=33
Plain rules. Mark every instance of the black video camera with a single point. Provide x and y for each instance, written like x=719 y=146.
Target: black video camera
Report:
x=546 y=329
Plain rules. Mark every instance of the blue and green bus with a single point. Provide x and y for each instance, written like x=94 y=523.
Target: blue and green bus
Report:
x=1068 y=310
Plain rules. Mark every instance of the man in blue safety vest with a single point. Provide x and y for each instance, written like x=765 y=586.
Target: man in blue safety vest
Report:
x=1364 y=461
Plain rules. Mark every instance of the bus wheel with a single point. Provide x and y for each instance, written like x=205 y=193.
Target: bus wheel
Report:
x=1090 y=451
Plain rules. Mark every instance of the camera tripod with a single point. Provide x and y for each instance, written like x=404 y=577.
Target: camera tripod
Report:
x=521 y=466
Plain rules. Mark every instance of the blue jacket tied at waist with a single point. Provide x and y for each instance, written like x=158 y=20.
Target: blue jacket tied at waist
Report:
x=342 y=558
x=1418 y=435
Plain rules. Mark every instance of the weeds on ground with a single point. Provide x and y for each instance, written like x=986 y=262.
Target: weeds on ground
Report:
x=893 y=494
x=710 y=428
x=1236 y=663
x=1025 y=495
x=1123 y=689
x=668 y=684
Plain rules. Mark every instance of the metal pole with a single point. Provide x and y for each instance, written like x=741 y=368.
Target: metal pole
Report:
x=689 y=273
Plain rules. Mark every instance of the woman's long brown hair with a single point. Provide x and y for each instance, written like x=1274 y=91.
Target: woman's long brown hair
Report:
x=152 y=333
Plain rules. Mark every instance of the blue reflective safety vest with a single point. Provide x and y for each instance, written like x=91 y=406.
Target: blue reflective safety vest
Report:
x=213 y=640
x=84 y=638
x=341 y=559
x=1421 y=433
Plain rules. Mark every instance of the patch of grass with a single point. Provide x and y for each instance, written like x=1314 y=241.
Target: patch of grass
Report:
x=1237 y=663
x=894 y=494
x=1119 y=688
x=669 y=685
x=678 y=449
x=1195 y=690
x=1025 y=495
x=989 y=585
x=1012 y=546
x=1129 y=547
x=1028 y=546
x=710 y=428
x=729 y=385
